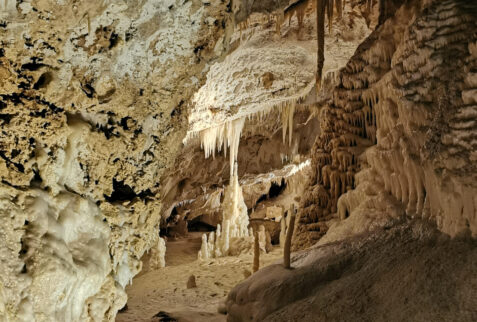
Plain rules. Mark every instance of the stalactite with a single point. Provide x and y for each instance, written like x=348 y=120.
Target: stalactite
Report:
x=226 y=135
x=340 y=7
x=324 y=7
x=330 y=7
x=299 y=8
x=320 y=25
x=287 y=122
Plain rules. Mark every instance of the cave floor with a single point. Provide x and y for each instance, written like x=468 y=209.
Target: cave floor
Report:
x=164 y=290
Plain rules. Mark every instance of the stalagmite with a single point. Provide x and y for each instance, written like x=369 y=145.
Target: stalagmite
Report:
x=283 y=226
x=217 y=251
x=224 y=242
x=204 y=252
x=211 y=244
x=235 y=210
x=158 y=254
x=264 y=239
x=234 y=222
x=191 y=283
x=287 y=248
x=256 y=252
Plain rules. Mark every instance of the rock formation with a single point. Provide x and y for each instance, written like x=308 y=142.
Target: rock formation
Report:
x=393 y=165
x=234 y=223
x=412 y=153
x=280 y=108
x=400 y=273
x=93 y=100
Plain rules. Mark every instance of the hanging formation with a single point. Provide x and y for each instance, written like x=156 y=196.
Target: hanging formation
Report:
x=325 y=8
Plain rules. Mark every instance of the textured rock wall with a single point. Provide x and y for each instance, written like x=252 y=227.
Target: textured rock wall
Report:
x=426 y=140
x=93 y=99
x=408 y=93
x=244 y=8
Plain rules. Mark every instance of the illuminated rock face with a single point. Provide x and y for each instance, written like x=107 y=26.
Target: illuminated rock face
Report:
x=402 y=103
x=93 y=98
x=267 y=84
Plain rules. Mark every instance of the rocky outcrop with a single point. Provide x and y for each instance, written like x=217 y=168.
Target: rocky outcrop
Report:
x=424 y=158
x=390 y=98
x=407 y=271
x=93 y=99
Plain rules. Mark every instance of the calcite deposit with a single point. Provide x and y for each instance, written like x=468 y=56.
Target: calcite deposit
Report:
x=408 y=130
x=93 y=108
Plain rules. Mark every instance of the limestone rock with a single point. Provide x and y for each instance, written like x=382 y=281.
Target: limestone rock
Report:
x=407 y=159
x=93 y=99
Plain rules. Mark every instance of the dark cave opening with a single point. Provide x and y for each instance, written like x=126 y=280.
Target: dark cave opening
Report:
x=276 y=189
x=124 y=192
x=197 y=225
x=43 y=81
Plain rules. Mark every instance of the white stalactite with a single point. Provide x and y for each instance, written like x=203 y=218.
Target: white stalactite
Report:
x=287 y=114
x=226 y=135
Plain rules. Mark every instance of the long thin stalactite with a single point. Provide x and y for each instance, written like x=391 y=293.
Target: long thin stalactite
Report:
x=327 y=7
x=320 y=27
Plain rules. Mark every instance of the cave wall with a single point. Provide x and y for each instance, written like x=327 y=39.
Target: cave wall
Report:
x=93 y=108
x=244 y=8
x=407 y=100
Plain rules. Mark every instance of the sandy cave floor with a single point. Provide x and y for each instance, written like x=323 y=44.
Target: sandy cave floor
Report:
x=164 y=290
